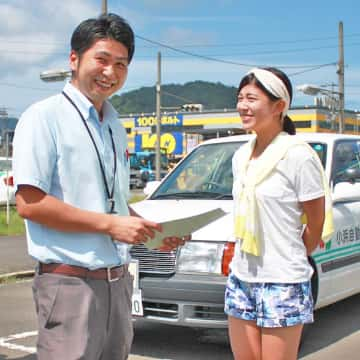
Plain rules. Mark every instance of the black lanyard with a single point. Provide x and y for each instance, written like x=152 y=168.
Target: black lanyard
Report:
x=109 y=193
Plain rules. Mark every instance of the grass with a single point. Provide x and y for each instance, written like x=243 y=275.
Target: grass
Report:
x=136 y=198
x=8 y=280
x=16 y=224
x=16 y=277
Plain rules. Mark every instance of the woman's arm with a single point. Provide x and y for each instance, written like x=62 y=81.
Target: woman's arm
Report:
x=315 y=214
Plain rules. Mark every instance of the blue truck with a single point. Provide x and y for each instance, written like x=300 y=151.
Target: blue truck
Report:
x=142 y=167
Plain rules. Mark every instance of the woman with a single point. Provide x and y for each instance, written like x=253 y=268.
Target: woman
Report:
x=278 y=180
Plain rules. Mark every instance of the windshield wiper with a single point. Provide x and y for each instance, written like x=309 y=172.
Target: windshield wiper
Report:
x=224 y=196
x=192 y=195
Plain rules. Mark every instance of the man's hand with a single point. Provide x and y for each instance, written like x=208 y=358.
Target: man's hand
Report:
x=132 y=229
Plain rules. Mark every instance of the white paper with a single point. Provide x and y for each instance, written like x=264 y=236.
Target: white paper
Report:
x=184 y=226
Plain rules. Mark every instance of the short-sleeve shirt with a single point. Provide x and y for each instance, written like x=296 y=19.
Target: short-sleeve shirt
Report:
x=53 y=152
x=296 y=178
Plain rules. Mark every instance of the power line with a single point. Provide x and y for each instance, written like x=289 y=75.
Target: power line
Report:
x=34 y=52
x=24 y=87
x=193 y=54
x=212 y=58
x=6 y=40
x=265 y=52
x=176 y=96
x=252 y=44
x=314 y=68
x=216 y=59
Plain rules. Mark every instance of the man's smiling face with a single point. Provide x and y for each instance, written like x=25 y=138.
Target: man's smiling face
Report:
x=100 y=71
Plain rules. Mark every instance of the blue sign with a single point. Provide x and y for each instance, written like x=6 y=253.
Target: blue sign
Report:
x=172 y=141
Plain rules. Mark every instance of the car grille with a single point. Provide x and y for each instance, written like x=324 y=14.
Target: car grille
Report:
x=154 y=261
x=160 y=310
x=210 y=315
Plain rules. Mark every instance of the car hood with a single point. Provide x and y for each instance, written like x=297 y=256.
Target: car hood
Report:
x=165 y=210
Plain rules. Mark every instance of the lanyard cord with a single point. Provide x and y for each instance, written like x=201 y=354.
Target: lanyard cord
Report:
x=110 y=193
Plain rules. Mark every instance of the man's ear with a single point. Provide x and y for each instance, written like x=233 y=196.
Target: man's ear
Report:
x=74 y=60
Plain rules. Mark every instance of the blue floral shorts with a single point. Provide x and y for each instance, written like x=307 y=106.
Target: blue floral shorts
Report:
x=269 y=304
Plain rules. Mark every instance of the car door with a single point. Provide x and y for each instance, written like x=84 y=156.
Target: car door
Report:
x=342 y=260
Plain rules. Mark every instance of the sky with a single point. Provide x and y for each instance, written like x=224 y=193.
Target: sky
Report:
x=209 y=40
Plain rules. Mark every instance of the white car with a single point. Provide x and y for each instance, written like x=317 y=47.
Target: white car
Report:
x=186 y=287
x=7 y=189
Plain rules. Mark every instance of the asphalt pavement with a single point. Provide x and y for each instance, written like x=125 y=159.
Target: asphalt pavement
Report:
x=13 y=255
x=334 y=335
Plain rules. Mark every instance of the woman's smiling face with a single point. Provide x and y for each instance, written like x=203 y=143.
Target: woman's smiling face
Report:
x=256 y=109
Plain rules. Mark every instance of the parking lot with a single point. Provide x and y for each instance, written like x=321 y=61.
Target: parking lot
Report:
x=335 y=334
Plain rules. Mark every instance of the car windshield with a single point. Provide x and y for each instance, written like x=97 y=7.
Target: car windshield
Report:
x=205 y=173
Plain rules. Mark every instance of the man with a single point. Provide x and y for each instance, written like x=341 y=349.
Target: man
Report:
x=72 y=176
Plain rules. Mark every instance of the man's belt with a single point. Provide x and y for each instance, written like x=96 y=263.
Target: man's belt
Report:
x=109 y=274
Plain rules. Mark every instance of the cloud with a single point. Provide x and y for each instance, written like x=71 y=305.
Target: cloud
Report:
x=12 y=19
x=184 y=69
x=35 y=35
x=23 y=50
x=32 y=35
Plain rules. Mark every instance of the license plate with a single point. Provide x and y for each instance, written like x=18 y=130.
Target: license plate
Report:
x=136 y=300
x=137 y=306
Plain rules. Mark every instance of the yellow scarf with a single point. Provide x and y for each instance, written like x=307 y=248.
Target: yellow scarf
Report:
x=246 y=212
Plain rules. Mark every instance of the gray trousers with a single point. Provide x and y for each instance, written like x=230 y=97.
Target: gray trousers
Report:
x=83 y=319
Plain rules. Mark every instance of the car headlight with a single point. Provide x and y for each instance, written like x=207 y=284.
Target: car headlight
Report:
x=200 y=257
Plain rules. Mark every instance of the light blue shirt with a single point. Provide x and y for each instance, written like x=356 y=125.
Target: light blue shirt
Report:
x=53 y=152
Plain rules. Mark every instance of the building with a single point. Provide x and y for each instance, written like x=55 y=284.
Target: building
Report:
x=181 y=131
x=7 y=128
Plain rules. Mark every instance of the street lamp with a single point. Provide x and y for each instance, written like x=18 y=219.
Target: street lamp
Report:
x=55 y=75
x=333 y=96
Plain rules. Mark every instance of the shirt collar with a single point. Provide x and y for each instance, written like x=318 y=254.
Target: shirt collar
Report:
x=86 y=108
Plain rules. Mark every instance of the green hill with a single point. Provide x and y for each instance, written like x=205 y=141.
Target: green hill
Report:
x=211 y=95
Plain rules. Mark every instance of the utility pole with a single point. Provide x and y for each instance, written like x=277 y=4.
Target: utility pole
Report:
x=340 y=72
x=104 y=7
x=158 y=119
x=7 y=185
x=5 y=116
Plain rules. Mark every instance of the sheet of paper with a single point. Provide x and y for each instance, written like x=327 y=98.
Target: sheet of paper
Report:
x=184 y=226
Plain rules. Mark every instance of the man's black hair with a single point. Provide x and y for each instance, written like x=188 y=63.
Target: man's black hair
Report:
x=106 y=26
